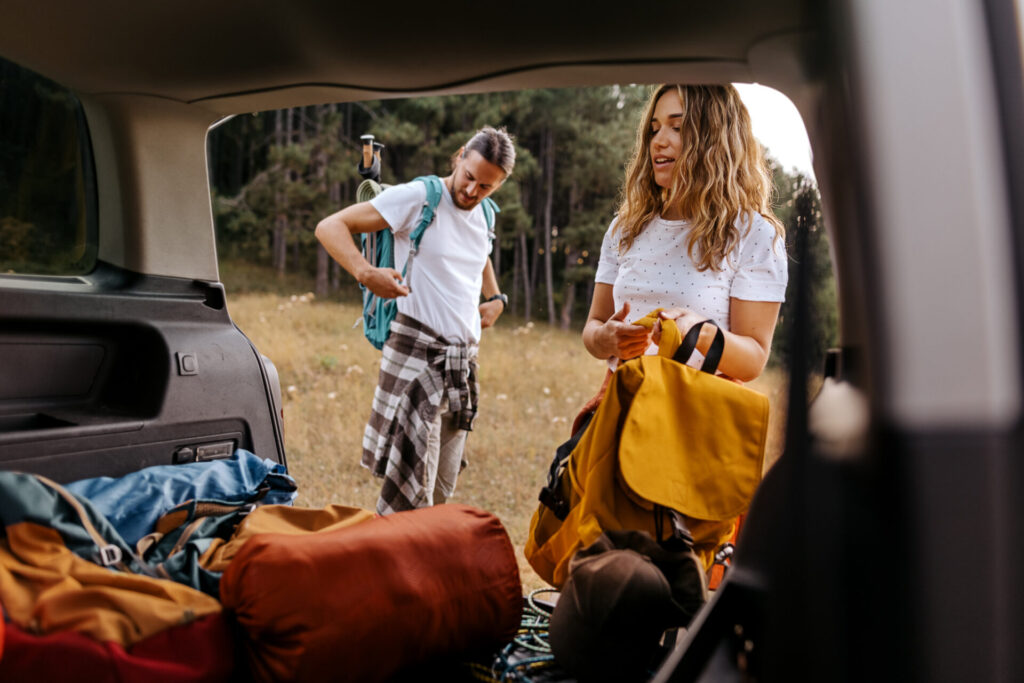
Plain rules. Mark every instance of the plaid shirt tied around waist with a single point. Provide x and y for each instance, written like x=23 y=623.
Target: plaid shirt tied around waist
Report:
x=417 y=370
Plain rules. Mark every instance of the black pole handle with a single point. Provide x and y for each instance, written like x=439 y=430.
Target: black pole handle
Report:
x=369 y=163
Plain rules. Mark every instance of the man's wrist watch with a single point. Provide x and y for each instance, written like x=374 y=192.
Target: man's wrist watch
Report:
x=498 y=297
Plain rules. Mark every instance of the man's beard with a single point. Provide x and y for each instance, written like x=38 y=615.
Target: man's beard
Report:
x=456 y=198
x=456 y=194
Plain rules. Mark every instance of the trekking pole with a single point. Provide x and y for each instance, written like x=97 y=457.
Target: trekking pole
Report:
x=369 y=168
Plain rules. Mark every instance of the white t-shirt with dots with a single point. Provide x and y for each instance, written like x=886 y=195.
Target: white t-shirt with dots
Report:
x=657 y=272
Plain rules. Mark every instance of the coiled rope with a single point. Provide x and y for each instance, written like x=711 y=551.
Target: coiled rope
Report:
x=368 y=189
x=529 y=653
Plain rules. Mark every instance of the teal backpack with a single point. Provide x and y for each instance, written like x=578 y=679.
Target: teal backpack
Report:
x=379 y=250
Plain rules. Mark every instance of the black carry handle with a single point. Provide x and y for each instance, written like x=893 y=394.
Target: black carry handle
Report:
x=714 y=355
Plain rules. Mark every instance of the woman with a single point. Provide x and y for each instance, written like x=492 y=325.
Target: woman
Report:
x=695 y=235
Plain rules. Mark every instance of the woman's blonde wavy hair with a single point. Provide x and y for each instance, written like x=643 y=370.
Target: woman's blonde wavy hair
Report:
x=721 y=175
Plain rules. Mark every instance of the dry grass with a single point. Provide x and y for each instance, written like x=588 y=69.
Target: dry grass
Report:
x=533 y=380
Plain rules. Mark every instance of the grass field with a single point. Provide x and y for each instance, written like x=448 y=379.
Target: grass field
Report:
x=533 y=381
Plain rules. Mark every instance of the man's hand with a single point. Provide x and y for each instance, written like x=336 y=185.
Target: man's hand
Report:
x=490 y=311
x=384 y=282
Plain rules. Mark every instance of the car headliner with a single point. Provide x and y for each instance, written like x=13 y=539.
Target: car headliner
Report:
x=235 y=57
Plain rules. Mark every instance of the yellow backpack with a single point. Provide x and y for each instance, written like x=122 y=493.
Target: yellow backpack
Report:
x=665 y=437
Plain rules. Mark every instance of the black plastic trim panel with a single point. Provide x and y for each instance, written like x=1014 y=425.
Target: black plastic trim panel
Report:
x=113 y=371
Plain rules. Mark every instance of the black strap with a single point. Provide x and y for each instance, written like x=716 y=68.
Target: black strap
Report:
x=681 y=538
x=714 y=355
x=551 y=495
x=372 y=173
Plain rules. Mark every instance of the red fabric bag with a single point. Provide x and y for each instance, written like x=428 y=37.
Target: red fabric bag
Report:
x=200 y=652
x=363 y=602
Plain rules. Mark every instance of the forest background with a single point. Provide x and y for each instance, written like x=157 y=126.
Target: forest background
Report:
x=275 y=174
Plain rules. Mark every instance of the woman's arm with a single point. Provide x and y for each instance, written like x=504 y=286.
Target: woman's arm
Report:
x=747 y=345
x=606 y=334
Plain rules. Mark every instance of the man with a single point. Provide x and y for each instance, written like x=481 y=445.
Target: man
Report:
x=426 y=394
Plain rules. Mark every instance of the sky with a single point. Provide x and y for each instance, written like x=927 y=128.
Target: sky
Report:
x=778 y=126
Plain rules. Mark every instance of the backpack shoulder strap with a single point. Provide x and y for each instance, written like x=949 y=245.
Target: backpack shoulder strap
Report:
x=491 y=210
x=434 y=191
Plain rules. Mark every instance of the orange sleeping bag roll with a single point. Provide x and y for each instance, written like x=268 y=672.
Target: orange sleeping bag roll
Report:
x=363 y=602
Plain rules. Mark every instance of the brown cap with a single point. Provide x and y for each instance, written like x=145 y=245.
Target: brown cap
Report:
x=621 y=594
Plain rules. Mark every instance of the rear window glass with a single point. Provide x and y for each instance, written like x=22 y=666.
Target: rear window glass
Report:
x=47 y=193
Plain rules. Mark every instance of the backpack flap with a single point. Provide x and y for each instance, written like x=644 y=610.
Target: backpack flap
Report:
x=691 y=441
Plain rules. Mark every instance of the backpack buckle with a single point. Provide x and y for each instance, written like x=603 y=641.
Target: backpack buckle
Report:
x=109 y=555
x=555 y=502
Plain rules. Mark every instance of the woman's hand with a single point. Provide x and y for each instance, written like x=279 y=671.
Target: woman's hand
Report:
x=616 y=337
x=685 y=319
x=607 y=334
x=747 y=345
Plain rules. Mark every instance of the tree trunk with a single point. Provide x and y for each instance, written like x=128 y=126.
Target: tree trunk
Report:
x=341 y=189
x=514 y=295
x=335 y=276
x=496 y=252
x=345 y=190
x=238 y=169
x=549 y=172
x=527 y=282
x=298 y=137
x=278 y=243
x=568 y=301
x=323 y=259
x=571 y=258
x=535 y=256
x=254 y=148
x=280 y=230
x=331 y=279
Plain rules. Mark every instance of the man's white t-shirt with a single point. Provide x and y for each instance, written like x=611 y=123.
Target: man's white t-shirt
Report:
x=657 y=272
x=447 y=274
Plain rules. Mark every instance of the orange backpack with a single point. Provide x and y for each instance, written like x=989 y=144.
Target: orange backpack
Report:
x=665 y=437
